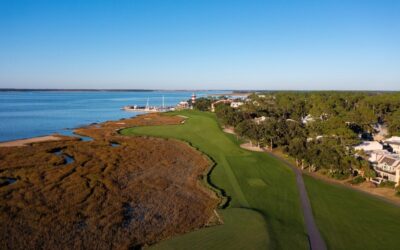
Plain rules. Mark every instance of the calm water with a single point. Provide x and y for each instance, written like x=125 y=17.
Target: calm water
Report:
x=28 y=114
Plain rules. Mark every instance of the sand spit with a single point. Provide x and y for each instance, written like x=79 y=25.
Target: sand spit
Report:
x=129 y=196
x=25 y=142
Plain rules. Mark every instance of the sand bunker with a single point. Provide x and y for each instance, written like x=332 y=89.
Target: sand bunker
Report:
x=252 y=147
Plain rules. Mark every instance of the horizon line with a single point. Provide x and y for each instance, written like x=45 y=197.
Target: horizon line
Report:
x=196 y=90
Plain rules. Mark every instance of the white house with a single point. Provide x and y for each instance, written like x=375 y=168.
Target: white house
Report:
x=388 y=167
x=376 y=155
x=258 y=120
x=394 y=143
x=236 y=104
x=394 y=138
x=182 y=105
x=308 y=118
x=220 y=101
x=369 y=146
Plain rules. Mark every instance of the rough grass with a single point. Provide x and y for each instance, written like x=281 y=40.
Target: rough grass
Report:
x=275 y=204
x=123 y=197
x=349 y=219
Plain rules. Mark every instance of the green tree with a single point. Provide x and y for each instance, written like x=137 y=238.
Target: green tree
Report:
x=228 y=116
x=203 y=104
x=297 y=148
x=394 y=123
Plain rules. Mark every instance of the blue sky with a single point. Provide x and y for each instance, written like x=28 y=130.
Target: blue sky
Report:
x=200 y=44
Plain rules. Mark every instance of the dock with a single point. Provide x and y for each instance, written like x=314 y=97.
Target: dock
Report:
x=163 y=108
x=148 y=108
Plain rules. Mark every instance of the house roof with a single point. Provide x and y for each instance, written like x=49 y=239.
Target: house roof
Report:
x=369 y=145
x=394 y=138
x=388 y=161
x=393 y=142
x=391 y=160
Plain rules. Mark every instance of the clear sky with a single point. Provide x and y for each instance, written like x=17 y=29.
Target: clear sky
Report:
x=200 y=44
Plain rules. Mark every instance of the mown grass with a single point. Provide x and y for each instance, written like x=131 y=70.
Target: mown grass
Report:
x=263 y=187
x=228 y=236
x=349 y=219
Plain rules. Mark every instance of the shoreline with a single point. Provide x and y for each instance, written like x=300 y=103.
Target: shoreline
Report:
x=52 y=137
x=59 y=137
x=36 y=139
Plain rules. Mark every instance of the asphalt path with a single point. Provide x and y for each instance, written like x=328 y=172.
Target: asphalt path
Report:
x=314 y=236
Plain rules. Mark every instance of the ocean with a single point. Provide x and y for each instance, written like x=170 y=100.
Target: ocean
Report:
x=25 y=114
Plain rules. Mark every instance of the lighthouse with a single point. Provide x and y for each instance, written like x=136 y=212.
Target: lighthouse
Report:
x=193 y=100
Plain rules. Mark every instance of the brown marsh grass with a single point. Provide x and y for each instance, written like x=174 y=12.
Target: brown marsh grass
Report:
x=134 y=194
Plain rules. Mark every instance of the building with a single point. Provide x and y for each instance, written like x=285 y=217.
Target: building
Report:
x=308 y=118
x=182 y=105
x=394 y=143
x=369 y=146
x=385 y=163
x=387 y=166
x=395 y=146
x=219 y=101
x=393 y=138
x=318 y=137
x=236 y=104
x=376 y=155
x=259 y=120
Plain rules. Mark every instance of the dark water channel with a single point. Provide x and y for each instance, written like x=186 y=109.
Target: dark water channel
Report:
x=70 y=132
x=5 y=181
x=68 y=159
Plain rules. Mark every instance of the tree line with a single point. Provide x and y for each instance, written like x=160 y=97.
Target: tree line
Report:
x=336 y=122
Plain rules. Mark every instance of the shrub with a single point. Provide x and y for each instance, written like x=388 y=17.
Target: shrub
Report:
x=357 y=180
x=397 y=190
x=203 y=104
x=323 y=171
x=389 y=184
x=338 y=175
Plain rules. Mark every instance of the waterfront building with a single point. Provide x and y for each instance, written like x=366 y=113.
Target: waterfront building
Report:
x=182 y=105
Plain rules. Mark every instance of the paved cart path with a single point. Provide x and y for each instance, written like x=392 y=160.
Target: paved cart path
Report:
x=314 y=236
